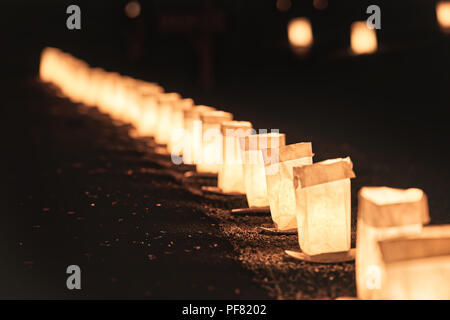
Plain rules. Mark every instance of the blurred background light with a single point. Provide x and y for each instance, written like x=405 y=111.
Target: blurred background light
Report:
x=362 y=39
x=284 y=5
x=133 y=9
x=320 y=4
x=443 y=14
x=300 y=33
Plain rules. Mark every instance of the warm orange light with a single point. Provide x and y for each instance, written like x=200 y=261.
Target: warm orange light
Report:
x=231 y=172
x=133 y=9
x=362 y=39
x=300 y=33
x=212 y=140
x=443 y=14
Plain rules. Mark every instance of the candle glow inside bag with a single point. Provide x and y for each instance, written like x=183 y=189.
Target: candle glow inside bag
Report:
x=280 y=182
x=192 y=142
x=175 y=145
x=212 y=140
x=252 y=147
x=383 y=213
x=164 y=125
x=323 y=205
x=417 y=267
x=231 y=172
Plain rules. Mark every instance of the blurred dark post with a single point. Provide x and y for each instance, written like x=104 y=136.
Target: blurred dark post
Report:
x=201 y=26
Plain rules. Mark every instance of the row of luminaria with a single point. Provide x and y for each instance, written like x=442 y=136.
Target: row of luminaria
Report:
x=396 y=256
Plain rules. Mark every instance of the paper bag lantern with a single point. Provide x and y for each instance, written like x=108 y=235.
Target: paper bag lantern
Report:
x=300 y=34
x=175 y=144
x=252 y=148
x=417 y=267
x=192 y=144
x=362 y=39
x=49 y=64
x=443 y=15
x=146 y=125
x=323 y=205
x=212 y=140
x=164 y=125
x=280 y=182
x=231 y=173
x=383 y=213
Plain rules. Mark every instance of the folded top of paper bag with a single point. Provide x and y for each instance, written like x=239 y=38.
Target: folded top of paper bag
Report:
x=390 y=207
x=168 y=97
x=288 y=152
x=433 y=242
x=216 y=116
x=195 y=111
x=323 y=172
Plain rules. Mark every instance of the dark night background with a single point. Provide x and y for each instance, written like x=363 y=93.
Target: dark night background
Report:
x=388 y=111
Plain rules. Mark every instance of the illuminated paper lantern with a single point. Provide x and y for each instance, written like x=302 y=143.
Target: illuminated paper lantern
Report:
x=383 y=213
x=280 y=182
x=252 y=148
x=417 y=267
x=300 y=34
x=231 y=173
x=164 y=125
x=212 y=140
x=50 y=60
x=362 y=39
x=192 y=144
x=323 y=205
x=443 y=15
x=147 y=123
x=175 y=144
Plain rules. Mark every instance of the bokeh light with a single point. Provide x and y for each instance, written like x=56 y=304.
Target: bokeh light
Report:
x=300 y=33
x=443 y=14
x=362 y=39
x=284 y=5
x=320 y=4
x=133 y=9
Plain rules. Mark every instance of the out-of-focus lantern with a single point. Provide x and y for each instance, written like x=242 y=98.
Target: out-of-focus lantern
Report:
x=383 y=213
x=175 y=144
x=300 y=34
x=212 y=140
x=192 y=145
x=417 y=267
x=164 y=125
x=280 y=182
x=146 y=125
x=231 y=172
x=443 y=15
x=148 y=95
x=323 y=206
x=252 y=147
x=362 y=39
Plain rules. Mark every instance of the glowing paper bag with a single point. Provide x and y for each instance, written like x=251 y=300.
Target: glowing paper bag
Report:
x=192 y=142
x=164 y=125
x=417 y=267
x=280 y=182
x=383 y=213
x=253 y=147
x=323 y=205
x=231 y=172
x=175 y=144
x=212 y=140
